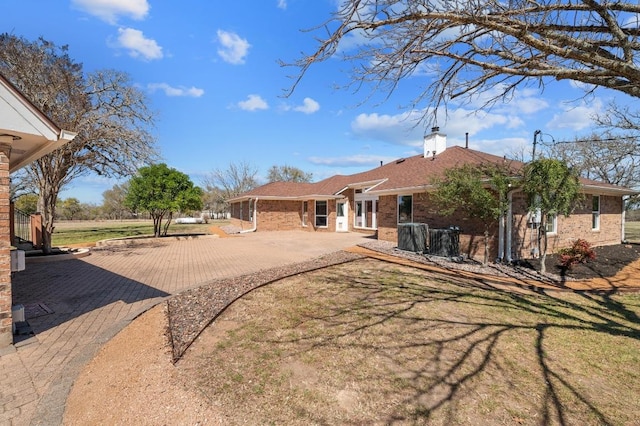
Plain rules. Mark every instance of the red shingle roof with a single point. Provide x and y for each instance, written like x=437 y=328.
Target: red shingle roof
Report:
x=402 y=174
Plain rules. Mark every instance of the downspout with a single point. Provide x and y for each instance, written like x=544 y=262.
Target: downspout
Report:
x=501 y=225
x=255 y=218
x=509 y=226
x=624 y=219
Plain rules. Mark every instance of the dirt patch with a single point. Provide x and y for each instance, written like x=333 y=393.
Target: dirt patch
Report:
x=132 y=381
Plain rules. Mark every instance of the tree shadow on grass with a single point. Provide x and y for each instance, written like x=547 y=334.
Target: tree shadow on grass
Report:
x=454 y=343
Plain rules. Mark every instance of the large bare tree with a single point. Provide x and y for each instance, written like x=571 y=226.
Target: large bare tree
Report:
x=223 y=184
x=108 y=113
x=489 y=47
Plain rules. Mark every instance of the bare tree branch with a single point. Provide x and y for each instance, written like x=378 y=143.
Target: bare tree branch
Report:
x=480 y=46
x=106 y=111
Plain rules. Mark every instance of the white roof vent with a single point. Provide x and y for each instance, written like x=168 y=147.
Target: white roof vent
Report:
x=434 y=142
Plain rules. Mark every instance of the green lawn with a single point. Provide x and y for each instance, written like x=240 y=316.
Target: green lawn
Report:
x=90 y=232
x=632 y=231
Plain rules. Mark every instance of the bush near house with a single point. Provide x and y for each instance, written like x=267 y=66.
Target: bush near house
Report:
x=580 y=252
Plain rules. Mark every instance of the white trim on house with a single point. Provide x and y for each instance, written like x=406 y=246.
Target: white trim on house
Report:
x=29 y=132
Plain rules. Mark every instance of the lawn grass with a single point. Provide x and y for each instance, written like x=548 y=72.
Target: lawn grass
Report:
x=89 y=232
x=372 y=343
x=632 y=231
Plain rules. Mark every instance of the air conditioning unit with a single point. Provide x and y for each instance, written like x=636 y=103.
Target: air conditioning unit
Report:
x=444 y=242
x=17 y=260
x=413 y=237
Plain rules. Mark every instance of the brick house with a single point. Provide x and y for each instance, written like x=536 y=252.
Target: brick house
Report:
x=378 y=200
x=26 y=135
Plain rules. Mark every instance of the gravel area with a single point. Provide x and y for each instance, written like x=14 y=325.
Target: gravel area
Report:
x=192 y=311
x=465 y=264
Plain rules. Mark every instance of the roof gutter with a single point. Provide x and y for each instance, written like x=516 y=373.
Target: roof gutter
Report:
x=296 y=198
x=63 y=137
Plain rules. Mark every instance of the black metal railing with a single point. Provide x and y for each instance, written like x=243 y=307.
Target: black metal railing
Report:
x=22 y=225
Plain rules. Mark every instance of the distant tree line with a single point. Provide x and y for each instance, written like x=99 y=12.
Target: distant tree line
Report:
x=117 y=204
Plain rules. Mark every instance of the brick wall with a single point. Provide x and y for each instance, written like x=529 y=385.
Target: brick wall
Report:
x=6 y=334
x=575 y=226
x=471 y=230
x=282 y=215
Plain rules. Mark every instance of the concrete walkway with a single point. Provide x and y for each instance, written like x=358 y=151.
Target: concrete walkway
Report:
x=75 y=306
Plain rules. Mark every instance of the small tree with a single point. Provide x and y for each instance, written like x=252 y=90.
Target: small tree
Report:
x=113 y=201
x=552 y=188
x=161 y=190
x=70 y=208
x=478 y=191
x=27 y=203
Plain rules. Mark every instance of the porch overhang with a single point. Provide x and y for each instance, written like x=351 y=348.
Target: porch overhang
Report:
x=30 y=134
x=371 y=184
x=608 y=190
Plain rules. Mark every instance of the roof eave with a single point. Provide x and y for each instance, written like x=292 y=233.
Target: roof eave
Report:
x=286 y=198
x=607 y=190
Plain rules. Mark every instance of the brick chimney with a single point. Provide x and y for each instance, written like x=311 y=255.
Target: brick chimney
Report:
x=434 y=143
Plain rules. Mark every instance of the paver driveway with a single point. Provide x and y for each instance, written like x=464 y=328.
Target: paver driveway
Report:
x=93 y=298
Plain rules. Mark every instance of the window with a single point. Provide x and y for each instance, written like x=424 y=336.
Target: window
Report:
x=405 y=208
x=321 y=214
x=305 y=212
x=595 y=213
x=551 y=225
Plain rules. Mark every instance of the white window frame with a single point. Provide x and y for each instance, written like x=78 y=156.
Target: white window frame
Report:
x=362 y=202
x=398 y=208
x=326 y=215
x=595 y=214
x=552 y=219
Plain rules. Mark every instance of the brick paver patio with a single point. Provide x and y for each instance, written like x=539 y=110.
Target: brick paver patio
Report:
x=78 y=305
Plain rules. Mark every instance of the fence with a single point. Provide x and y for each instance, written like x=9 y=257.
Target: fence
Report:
x=22 y=225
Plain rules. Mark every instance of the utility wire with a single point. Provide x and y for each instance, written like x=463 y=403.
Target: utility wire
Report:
x=597 y=140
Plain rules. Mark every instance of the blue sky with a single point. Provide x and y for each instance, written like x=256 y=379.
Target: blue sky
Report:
x=210 y=69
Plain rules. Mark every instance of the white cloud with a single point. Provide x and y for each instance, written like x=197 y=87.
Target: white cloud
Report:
x=282 y=4
x=399 y=129
x=137 y=45
x=406 y=130
x=309 y=106
x=576 y=118
x=512 y=147
x=253 y=103
x=358 y=160
x=522 y=101
x=234 y=48
x=176 y=91
x=110 y=10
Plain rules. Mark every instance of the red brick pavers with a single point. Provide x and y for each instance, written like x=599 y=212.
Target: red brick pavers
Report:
x=95 y=297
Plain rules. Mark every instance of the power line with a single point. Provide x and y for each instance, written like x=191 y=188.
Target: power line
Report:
x=613 y=139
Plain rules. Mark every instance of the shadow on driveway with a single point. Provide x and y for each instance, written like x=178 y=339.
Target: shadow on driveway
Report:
x=56 y=292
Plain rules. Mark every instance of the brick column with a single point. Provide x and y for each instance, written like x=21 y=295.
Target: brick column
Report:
x=6 y=333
